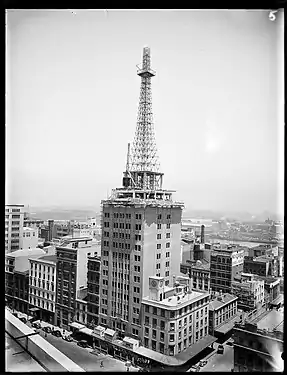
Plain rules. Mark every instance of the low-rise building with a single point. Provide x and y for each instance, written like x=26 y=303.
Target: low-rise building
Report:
x=173 y=318
x=199 y=272
x=14 y=217
x=17 y=277
x=250 y=292
x=258 y=343
x=222 y=314
x=42 y=287
x=29 y=238
x=263 y=265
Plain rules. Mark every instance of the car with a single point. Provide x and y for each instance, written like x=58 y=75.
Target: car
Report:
x=23 y=319
x=15 y=314
x=193 y=369
x=47 y=329
x=202 y=363
x=220 y=349
x=36 y=325
x=56 y=333
x=83 y=343
x=67 y=338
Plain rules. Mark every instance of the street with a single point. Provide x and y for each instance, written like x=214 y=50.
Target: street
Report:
x=83 y=357
x=220 y=362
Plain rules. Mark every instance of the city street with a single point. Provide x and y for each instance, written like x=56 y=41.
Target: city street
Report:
x=220 y=362
x=84 y=358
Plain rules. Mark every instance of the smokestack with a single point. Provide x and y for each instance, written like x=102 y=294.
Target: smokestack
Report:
x=202 y=234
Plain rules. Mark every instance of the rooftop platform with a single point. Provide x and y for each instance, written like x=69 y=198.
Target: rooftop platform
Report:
x=177 y=301
x=221 y=301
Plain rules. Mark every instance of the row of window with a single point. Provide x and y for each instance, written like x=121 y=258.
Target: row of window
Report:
x=45 y=285
x=41 y=303
x=41 y=293
x=35 y=274
x=41 y=267
x=167 y=245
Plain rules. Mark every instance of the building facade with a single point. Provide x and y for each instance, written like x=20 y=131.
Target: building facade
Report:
x=199 y=272
x=17 y=278
x=72 y=259
x=42 y=287
x=173 y=318
x=222 y=310
x=14 y=218
x=93 y=290
x=258 y=344
x=225 y=266
x=250 y=292
x=29 y=239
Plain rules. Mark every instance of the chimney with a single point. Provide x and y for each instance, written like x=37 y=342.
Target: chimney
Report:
x=202 y=234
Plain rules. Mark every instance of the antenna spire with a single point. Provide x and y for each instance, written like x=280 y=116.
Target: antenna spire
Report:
x=143 y=159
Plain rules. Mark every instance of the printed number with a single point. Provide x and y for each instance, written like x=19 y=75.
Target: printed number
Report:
x=272 y=16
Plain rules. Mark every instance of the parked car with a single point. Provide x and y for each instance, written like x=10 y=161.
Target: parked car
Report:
x=57 y=333
x=193 y=369
x=220 y=349
x=47 y=329
x=67 y=338
x=23 y=319
x=83 y=343
x=36 y=325
x=202 y=363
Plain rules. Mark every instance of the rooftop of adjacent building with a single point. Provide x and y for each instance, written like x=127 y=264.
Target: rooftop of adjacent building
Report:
x=26 y=253
x=270 y=320
x=177 y=300
x=48 y=258
x=221 y=300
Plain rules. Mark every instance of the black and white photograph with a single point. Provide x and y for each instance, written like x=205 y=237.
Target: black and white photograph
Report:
x=144 y=190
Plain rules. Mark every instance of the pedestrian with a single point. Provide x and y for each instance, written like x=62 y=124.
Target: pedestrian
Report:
x=102 y=364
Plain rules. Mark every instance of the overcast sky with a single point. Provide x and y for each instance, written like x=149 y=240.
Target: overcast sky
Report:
x=72 y=99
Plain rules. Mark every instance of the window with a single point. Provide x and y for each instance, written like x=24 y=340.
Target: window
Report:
x=154 y=322
x=146 y=320
x=168 y=226
x=167 y=245
x=171 y=337
x=158 y=226
x=159 y=236
x=162 y=325
x=168 y=235
x=157 y=256
x=167 y=254
x=167 y=264
x=138 y=227
x=138 y=216
x=166 y=273
x=154 y=311
x=146 y=342
x=162 y=313
x=138 y=247
x=168 y=216
x=154 y=334
x=158 y=246
x=146 y=331
x=147 y=309
x=158 y=266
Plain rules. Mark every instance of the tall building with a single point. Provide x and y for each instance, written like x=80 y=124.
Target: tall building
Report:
x=14 y=219
x=93 y=293
x=225 y=266
x=72 y=259
x=42 y=287
x=258 y=343
x=141 y=225
x=173 y=318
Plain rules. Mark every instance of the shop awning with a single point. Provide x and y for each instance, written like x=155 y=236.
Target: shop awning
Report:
x=110 y=332
x=33 y=309
x=87 y=331
x=77 y=325
x=277 y=300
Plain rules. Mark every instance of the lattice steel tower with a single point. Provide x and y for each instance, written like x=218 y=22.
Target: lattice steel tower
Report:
x=142 y=169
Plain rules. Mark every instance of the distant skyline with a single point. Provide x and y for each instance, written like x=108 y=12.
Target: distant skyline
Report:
x=218 y=102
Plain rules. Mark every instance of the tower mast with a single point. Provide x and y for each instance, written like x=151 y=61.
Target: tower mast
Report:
x=143 y=159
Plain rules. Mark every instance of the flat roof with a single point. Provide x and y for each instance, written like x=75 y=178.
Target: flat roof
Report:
x=226 y=327
x=26 y=252
x=226 y=298
x=17 y=359
x=173 y=301
x=48 y=258
x=270 y=320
